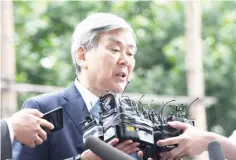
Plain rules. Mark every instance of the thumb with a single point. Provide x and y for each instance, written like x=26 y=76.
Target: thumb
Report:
x=114 y=141
x=34 y=112
x=178 y=125
x=140 y=154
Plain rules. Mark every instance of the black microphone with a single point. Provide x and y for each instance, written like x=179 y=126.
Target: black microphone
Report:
x=215 y=151
x=104 y=150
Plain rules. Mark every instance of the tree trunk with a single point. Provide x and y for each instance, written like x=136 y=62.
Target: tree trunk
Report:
x=194 y=65
x=8 y=98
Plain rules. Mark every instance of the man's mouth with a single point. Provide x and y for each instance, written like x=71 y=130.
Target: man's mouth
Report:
x=121 y=74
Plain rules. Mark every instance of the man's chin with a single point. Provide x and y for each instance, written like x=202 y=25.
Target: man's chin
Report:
x=117 y=90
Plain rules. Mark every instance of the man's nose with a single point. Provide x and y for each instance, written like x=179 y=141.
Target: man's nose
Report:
x=124 y=59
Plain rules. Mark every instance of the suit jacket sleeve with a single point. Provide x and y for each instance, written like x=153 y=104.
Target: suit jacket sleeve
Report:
x=6 y=148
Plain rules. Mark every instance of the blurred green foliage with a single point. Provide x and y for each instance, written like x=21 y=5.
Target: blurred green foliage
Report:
x=43 y=39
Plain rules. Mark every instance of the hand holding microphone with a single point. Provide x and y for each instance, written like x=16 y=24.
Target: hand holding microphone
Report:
x=104 y=150
x=99 y=150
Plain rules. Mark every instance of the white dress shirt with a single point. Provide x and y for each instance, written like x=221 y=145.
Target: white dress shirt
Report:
x=89 y=98
x=9 y=125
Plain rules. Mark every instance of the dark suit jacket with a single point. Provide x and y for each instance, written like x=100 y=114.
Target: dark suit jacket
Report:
x=6 y=151
x=64 y=143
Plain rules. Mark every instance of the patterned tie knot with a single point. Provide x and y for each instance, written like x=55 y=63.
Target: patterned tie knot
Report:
x=96 y=110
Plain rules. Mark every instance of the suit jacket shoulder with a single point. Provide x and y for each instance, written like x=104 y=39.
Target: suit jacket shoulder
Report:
x=6 y=149
x=62 y=144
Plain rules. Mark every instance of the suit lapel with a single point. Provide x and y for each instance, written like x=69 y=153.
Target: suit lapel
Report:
x=75 y=106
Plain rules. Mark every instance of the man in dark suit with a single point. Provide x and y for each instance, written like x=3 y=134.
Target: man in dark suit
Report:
x=23 y=126
x=103 y=48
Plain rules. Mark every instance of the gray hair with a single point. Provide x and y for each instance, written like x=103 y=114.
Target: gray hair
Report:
x=86 y=32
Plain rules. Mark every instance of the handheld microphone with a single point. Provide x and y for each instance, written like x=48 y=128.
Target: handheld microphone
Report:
x=215 y=151
x=104 y=150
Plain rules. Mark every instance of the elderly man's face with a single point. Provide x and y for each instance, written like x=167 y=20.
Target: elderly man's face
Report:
x=110 y=64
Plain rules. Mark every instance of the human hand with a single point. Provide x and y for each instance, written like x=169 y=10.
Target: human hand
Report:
x=27 y=129
x=127 y=146
x=192 y=142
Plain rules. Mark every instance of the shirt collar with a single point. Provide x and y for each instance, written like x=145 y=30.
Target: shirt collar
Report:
x=89 y=98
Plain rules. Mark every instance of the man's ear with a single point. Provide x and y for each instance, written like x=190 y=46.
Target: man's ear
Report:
x=80 y=57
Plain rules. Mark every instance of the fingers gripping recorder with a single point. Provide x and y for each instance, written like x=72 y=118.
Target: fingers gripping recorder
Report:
x=55 y=117
x=163 y=131
x=121 y=118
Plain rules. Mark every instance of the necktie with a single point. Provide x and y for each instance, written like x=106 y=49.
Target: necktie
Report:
x=96 y=109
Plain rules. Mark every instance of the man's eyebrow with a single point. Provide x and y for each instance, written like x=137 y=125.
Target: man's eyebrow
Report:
x=114 y=40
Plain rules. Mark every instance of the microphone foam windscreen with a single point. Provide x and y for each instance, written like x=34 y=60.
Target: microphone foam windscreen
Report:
x=215 y=151
x=104 y=150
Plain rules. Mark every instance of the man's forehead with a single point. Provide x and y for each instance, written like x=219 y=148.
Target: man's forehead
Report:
x=121 y=41
x=121 y=38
